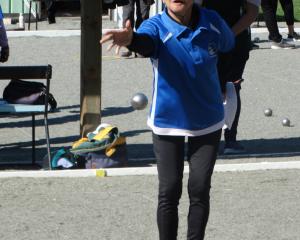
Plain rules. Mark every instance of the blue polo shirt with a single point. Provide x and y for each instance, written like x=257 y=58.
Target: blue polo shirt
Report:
x=187 y=98
x=1 y=14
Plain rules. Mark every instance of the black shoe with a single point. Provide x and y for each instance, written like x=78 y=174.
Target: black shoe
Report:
x=254 y=46
x=51 y=19
x=294 y=37
x=233 y=148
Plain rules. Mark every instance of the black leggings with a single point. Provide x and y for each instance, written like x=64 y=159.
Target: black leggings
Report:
x=269 y=8
x=169 y=152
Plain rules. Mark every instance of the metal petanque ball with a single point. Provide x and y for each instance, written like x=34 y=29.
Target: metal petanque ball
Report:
x=256 y=39
x=286 y=122
x=139 y=101
x=268 y=112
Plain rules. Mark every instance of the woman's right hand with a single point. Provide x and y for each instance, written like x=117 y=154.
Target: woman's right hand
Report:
x=118 y=37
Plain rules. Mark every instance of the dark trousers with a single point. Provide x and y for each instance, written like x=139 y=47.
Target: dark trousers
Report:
x=51 y=8
x=231 y=67
x=269 y=8
x=142 y=12
x=201 y=153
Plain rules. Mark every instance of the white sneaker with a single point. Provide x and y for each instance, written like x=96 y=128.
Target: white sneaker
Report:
x=283 y=44
x=293 y=37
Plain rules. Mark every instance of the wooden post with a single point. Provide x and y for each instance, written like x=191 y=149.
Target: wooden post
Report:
x=90 y=74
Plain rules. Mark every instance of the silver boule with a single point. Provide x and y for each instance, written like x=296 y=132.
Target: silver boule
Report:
x=139 y=101
x=268 y=112
x=286 y=122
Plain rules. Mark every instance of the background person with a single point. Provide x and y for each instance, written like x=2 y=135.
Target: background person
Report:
x=183 y=43
x=4 y=48
x=269 y=8
x=239 y=16
x=288 y=8
x=139 y=7
x=51 y=10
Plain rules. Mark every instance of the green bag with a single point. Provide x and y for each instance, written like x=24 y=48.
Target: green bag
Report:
x=64 y=159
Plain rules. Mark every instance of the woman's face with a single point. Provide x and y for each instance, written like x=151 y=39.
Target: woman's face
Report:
x=179 y=8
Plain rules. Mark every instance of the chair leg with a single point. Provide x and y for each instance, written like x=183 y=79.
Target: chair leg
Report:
x=33 y=139
x=29 y=14
x=36 y=16
x=48 y=140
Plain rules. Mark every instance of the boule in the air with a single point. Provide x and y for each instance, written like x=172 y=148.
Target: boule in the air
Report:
x=139 y=101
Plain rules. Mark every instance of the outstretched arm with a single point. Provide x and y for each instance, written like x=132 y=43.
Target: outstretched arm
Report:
x=137 y=42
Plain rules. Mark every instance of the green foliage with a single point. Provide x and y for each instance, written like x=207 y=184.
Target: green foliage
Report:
x=280 y=15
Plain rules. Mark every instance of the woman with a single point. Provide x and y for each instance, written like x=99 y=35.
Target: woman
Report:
x=182 y=43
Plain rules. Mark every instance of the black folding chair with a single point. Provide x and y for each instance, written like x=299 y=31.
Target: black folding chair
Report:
x=29 y=73
x=36 y=13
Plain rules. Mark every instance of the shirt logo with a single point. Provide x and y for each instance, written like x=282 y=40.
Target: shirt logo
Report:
x=212 y=49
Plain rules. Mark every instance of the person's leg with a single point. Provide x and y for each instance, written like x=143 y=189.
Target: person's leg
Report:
x=128 y=14
x=202 y=153
x=269 y=8
x=288 y=9
x=142 y=12
x=51 y=10
x=235 y=70
x=48 y=3
x=169 y=152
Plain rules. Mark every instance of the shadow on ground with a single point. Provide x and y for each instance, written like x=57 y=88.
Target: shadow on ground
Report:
x=142 y=154
x=73 y=117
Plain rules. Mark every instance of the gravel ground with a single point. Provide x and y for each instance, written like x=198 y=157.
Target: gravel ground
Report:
x=258 y=205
